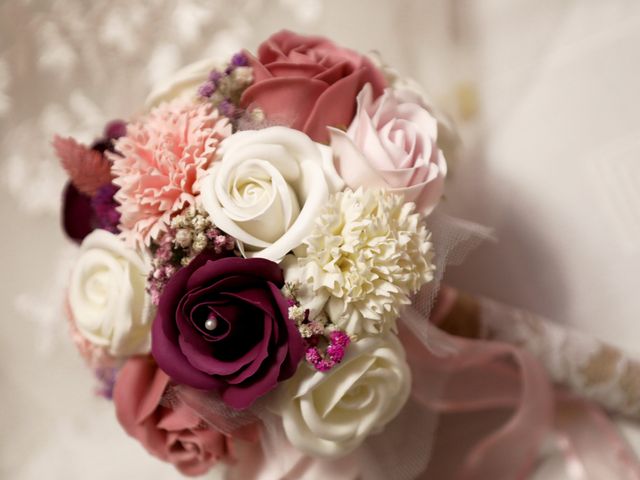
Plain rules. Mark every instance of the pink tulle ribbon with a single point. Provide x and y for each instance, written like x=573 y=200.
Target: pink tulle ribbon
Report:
x=498 y=407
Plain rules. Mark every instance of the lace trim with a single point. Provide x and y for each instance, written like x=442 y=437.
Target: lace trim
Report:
x=589 y=367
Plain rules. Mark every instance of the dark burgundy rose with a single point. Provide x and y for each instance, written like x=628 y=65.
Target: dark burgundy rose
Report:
x=82 y=214
x=78 y=217
x=222 y=324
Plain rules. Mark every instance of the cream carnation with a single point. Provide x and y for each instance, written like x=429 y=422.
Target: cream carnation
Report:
x=159 y=164
x=368 y=251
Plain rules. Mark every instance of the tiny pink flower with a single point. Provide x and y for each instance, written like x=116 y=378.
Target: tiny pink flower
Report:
x=338 y=337
x=313 y=355
x=335 y=353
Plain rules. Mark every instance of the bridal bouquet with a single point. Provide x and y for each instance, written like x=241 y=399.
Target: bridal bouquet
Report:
x=254 y=244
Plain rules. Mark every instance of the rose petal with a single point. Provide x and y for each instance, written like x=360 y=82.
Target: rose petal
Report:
x=324 y=113
x=258 y=354
x=335 y=71
x=336 y=386
x=285 y=100
x=260 y=72
x=393 y=143
x=263 y=381
x=372 y=145
x=191 y=335
x=400 y=178
x=179 y=417
x=205 y=362
x=165 y=349
x=137 y=392
x=317 y=194
x=222 y=313
x=253 y=268
x=351 y=164
x=257 y=297
x=288 y=69
x=229 y=355
x=272 y=203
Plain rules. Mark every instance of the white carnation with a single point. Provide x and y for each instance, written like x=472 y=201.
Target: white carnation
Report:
x=369 y=251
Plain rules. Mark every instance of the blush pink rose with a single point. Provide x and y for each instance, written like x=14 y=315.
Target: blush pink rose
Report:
x=173 y=433
x=392 y=143
x=308 y=83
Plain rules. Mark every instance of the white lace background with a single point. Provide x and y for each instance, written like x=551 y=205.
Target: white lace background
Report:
x=547 y=96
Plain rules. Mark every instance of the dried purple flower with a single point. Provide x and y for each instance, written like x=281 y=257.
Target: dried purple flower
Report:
x=115 y=129
x=227 y=108
x=239 y=60
x=207 y=89
x=105 y=208
x=215 y=76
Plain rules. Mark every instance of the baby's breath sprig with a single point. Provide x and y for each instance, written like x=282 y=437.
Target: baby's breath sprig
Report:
x=189 y=234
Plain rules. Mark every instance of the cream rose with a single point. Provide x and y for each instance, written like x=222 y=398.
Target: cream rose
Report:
x=268 y=188
x=330 y=414
x=107 y=296
x=182 y=84
x=392 y=144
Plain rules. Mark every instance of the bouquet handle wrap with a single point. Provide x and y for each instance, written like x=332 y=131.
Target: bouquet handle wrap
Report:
x=588 y=367
x=588 y=374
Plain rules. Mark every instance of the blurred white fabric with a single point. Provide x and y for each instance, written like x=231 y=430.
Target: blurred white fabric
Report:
x=546 y=95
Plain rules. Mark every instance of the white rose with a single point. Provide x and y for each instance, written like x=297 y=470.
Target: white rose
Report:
x=330 y=414
x=268 y=189
x=107 y=295
x=182 y=84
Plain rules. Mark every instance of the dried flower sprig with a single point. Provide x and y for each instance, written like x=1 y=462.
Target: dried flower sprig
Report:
x=325 y=344
x=190 y=233
x=224 y=87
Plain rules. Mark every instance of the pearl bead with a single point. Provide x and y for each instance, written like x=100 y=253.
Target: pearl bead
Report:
x=211 y=324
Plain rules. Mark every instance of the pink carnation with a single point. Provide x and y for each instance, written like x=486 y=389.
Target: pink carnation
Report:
x=159 y=162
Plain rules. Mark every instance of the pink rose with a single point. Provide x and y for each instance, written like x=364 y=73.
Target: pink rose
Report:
x=392 y=144
x=308 y=83
x=174 y=434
